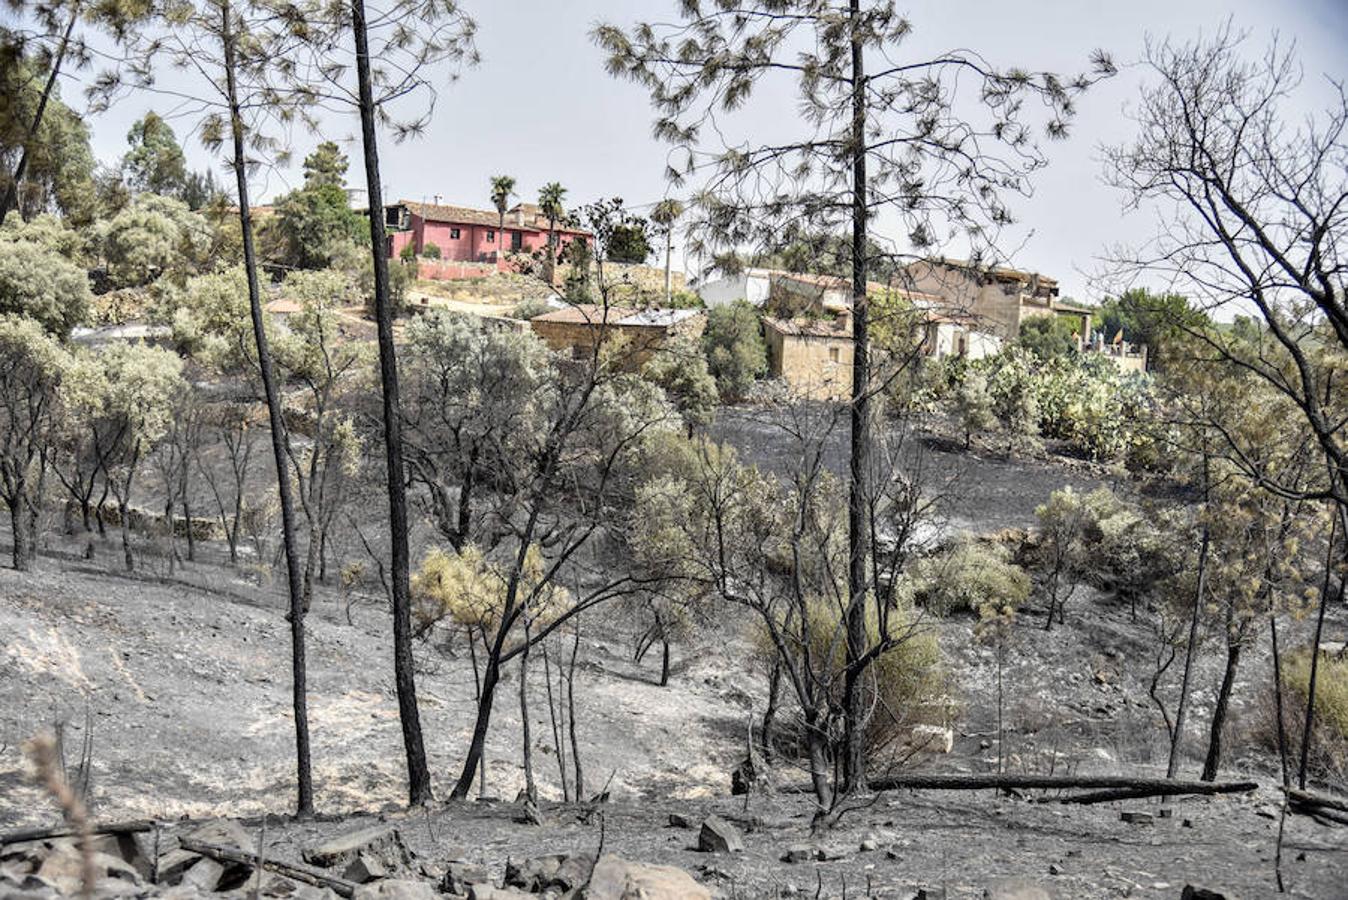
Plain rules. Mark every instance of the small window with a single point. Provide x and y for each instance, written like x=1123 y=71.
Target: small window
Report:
x=491 y=236
x=832 y=354
x=453 y=234
x=516 y=240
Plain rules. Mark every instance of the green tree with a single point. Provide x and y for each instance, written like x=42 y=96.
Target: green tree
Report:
x=1048 y=337
x=733 y=344
x=1157 y=320
x=316 y=221
x=46 y=163
x=680 y=368
x=153 y=237
x=973 y=406
x=32 y=367
x=629 y=243
x=155 y=163
x=41 y=284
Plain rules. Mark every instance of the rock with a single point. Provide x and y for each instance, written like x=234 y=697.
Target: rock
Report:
x=678 y=820
x=798 y=853
x=932 y=738
x=460 y=876
x=619 y=879
x=174 y=863
x=1197 y=893
x=1134 y=817
x=225 y=833
x=530 y=814
x=535 y=872
x=205 y=875
x=870 y=843
x=364 y=868
x=381 y=841
x=747 y=774
x=930 y=893
x=1054 y=869
x=719 y=836
x=487 y=892
x=1015 y=889
x=395 y=889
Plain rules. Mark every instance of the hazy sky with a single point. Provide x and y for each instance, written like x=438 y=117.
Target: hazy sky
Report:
x=541 y=108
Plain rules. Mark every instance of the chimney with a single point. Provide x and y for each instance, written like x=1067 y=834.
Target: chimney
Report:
x=519 y=216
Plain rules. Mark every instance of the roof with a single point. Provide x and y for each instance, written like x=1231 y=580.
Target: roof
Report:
x=591 y=314
x=534 y=220
x=808 y=328
x=1002 y=273
x=1059 y=306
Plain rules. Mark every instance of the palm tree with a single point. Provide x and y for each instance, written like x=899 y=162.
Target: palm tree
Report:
x=550 y=202
x=664 y=215
x=502 y=189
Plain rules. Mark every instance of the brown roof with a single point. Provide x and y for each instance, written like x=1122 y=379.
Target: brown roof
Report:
x=586 y=314
x=534 y=220
x=808 y=328
x=1002 y=273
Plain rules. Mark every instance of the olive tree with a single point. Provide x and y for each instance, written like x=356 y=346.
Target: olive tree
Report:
x=32 y=367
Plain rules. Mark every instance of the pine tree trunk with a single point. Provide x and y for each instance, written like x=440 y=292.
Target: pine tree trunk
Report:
x=12 y=191
x=669 y=249
x=571 y=716
x=1214 y=759
x=1191 y=645
x=530 y=788
x=304 y=805
x=770 y=714
x=418 y=773
x=477 y=746
x=858 y=495
x=1308 y=730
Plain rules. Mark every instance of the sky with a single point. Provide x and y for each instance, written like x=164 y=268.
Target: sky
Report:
x=540 y=107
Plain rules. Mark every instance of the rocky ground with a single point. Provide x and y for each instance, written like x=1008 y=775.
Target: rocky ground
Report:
x=180 y=685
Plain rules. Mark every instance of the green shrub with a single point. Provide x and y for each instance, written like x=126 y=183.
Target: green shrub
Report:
x=530 y=307
x=736 y=354
x=430 y=251
x=906 y=686
x=968 y=576
x=408 y=252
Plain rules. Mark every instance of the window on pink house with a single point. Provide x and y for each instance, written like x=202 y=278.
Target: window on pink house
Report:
x=516 y=240
x=491 y=236
x=453 y=234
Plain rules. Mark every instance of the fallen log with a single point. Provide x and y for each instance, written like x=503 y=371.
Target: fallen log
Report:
x=1326 y=810
x=1195 y=787
x=1137 y=787
x=23 y=835
x=340 y=886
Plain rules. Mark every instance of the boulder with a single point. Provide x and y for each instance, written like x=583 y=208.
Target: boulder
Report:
x=1135 y=817
x=205 y=875
x=679 y=820
x=932 y=738
x=534 y=872
x=395 y=889
x=173 y=864
x=1198 y=893
x=460 y=876
x=618 y=879
x=719 y=836
x=225 y=833
x=1015 y=889
x=381 y=842
x=487 y=892
x=364 y=868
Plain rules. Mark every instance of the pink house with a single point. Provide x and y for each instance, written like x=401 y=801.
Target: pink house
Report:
x=466 y=235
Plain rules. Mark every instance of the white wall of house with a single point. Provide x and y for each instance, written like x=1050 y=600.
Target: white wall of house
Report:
x=751 y=284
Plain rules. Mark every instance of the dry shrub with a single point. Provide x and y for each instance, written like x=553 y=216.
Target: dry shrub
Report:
x=1329 y=744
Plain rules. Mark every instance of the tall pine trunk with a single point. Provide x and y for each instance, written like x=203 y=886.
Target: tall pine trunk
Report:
x=530 y=788
x=304 y=806
x=858 y=529
x=12 y=191
x=23 y=536
x=1214 y=759
x=418 y=773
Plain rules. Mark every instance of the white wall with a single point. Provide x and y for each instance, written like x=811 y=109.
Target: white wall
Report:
x=751 y=285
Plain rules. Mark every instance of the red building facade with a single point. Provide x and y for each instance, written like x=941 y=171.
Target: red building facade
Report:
x=466 y=235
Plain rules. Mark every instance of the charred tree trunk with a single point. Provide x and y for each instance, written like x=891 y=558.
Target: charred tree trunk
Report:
x=769 y=725
x=571 y=715
x=530 y=788
x=418 y=773
x=1182 y=707
x=304 y=805
x=1277 y=698
x=1214 y=759
x=1308 y=730
x=23 y=538
x=557 y=745
x=858 y=495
